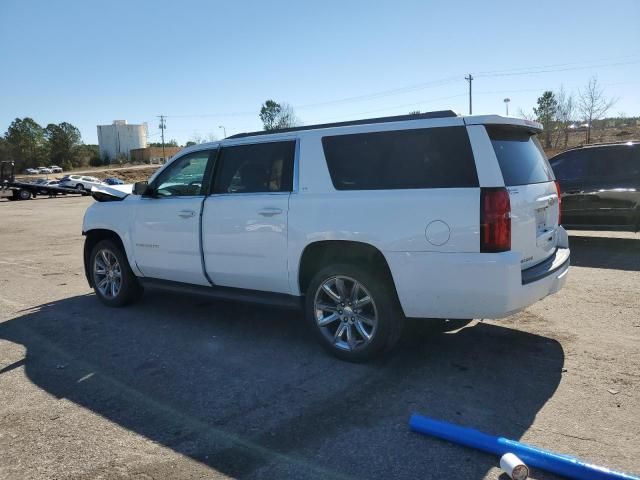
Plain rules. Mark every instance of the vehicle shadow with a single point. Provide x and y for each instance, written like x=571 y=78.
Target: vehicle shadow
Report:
x=248 y=392
x=605 y=252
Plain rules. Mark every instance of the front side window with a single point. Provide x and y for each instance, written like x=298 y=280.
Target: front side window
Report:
x=260 y=167
x=404 y=159
x=184 y=177
x=613 y=162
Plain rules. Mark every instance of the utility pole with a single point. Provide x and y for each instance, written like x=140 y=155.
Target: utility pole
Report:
x=506 y=102
x=470 y=79
x=223 y=129
x=162 y=126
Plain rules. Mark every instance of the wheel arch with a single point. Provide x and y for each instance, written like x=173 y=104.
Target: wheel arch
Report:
x=322 y=252
x=92 y=238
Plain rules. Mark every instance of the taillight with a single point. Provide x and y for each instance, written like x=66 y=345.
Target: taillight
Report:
x=559 y=202
x=495 y=220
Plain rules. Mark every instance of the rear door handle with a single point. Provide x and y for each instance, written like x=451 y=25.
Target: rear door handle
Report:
x=186 y=213
x=270 y=211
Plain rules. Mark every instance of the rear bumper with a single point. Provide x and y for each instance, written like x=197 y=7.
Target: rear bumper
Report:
x=473 y=285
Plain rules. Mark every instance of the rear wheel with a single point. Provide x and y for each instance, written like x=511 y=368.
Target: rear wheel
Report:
x=80 y=187
x=113 y=281
x=353 y=311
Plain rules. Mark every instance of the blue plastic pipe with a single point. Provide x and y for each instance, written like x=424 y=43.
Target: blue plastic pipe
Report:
x=564 y=465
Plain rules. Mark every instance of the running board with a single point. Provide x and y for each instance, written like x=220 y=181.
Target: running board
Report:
x=226 y=293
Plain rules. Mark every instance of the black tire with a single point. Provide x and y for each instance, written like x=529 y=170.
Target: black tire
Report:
x=129 y=290
x=24 y=195
x=80 y=187
x=390 y=318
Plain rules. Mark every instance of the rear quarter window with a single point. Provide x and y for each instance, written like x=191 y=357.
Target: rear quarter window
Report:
x=404 y=159
x=520 y=155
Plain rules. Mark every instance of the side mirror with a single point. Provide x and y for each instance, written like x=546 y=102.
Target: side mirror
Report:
x=141 y=188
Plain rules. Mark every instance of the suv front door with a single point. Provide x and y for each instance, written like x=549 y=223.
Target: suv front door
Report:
x=244 y=220
x=166 y=226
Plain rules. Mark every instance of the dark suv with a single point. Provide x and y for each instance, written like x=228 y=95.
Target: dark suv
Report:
x=600 y=186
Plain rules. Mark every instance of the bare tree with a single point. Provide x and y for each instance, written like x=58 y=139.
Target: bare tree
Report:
x=275 y=115
x=592 y=104
x=288 y=117
x=196 y=138
x=525 y=115
x=564 y=115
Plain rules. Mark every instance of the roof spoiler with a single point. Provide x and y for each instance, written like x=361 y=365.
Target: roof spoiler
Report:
x=500 y=120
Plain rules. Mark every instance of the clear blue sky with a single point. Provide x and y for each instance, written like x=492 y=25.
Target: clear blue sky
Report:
x=206 y=63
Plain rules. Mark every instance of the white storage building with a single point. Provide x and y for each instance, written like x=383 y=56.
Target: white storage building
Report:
x=119 y=138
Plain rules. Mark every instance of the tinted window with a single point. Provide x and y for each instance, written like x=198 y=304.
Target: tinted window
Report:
x=184 y=177
x=616 y=161
x=421 y=158
x=260 y=167
x=598 y=163
x=520 y=156
x=569 y=166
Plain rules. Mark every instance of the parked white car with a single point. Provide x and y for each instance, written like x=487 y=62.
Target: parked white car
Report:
x=55 y=168
x=362 y=223
x=80 y=182
x=44 y=170
x=31 y=171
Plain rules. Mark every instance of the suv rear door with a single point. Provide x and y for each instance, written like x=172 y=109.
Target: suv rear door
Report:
x=532 y=192
x=245 y=219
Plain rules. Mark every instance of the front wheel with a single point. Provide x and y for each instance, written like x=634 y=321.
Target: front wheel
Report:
x=80 y=187
x=24 y=194
x=353 y=311
x=113 y=281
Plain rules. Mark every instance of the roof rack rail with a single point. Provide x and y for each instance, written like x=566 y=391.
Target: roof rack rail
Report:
x=604 y=144
x=364 y=121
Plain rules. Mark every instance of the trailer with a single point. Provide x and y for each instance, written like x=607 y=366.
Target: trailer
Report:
x=15 y=190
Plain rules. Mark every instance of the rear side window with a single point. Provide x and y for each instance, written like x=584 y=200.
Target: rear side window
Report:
x=260 y=167
x=420 y=158
x=520 y=156
x=569 y=166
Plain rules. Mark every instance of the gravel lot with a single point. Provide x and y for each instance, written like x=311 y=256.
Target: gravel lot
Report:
x=186 y=387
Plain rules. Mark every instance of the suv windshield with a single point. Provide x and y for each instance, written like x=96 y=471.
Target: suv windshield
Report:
x=520 y=156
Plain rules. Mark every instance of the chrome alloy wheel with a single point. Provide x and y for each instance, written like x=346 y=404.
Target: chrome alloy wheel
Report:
x=107 y=274
x=345 y=312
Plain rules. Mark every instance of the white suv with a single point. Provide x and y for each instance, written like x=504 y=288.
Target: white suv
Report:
x=363 y=223
x=80 y=182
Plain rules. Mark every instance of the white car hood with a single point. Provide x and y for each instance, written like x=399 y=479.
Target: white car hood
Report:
x=105 y=193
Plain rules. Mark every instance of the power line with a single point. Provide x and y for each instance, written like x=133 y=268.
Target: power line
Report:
x=557 y=64
x=561 y=67
x=377 y=110
x=384 y=93
x=551 y=70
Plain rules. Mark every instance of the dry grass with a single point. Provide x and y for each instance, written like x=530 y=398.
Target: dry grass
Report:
x=617 y=134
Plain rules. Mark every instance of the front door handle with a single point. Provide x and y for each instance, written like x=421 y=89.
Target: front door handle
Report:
x=186 y=213
x=270 y=211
